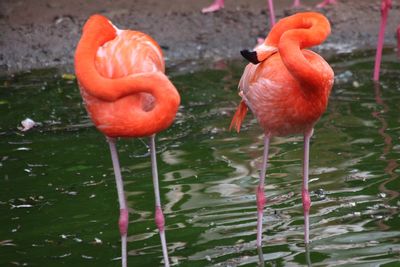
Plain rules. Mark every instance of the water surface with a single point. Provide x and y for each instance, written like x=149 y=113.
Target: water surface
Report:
x=58 y=201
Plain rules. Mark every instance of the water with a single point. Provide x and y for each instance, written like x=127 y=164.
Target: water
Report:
x=58 y=201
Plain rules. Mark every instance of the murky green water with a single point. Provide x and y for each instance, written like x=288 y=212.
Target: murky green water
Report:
x=58 y=201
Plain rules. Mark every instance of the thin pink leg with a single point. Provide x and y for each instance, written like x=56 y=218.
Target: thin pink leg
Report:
x=296 y=3
x=123 y=215
x=386 y=4
x=305 y=194
x=326 y=2
x=260 y=191
x=271 y=12
x=215 y=6
x=159 y=216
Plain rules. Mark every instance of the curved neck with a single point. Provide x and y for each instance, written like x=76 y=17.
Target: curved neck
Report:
x=97 y=31
x=294 y=33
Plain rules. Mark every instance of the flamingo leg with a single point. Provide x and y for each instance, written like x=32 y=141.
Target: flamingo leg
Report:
x=378 y=57
x=123 y=211
x=260 y=191
x=271 y=12
x=215 y=6
x=159 y=216
x=305 y=194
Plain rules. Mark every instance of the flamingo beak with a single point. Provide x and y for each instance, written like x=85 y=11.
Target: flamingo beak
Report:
x=260 y=53
x=250 y=56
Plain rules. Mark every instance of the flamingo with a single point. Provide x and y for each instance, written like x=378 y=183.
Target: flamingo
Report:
x=126 y=93
x=385 y=6
x=287 y=88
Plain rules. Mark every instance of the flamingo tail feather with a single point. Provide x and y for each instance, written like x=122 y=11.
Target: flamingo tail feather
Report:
x=239 y=116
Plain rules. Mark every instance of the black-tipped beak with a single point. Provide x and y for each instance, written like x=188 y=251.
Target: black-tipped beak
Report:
x=250 y=56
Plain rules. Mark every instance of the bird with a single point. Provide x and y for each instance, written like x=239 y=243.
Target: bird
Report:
x=121 y=77
x=385 y=6
x=287 y=88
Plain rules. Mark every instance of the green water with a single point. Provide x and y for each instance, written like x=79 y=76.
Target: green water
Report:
x=58 y=201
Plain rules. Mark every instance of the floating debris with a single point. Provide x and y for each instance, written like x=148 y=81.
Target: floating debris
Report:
x=382 y=195
x=7 y=242
x=87 y=257
x=21 y=206
x=27 y=124
x=68 y=76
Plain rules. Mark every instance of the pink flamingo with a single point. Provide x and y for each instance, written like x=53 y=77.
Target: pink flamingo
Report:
x=126 y=93
x=385 y=6
x=287 y=89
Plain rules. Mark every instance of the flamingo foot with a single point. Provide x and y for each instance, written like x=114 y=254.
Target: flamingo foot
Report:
x=325 y=3
x=217 y=5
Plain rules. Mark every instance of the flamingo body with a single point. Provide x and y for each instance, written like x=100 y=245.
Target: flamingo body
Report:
x=277 y=99
x=138 y=100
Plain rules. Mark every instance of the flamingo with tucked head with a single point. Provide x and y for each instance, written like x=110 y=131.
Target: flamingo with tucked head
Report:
x=126 y=93
x=286 y=87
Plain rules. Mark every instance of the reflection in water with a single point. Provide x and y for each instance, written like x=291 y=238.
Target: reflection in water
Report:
x=260 y=257
x=307 y=253
x=391 y=163
x=53 y=182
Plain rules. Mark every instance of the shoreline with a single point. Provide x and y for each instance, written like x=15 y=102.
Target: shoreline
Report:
x=44 y=33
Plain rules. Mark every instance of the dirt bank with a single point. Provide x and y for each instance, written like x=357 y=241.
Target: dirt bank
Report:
x=44 y=33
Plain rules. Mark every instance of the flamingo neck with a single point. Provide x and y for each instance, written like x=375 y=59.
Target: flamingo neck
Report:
x=294 y=33
x=97 y=31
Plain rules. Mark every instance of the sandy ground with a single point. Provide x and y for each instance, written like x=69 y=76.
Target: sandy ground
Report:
x=44 y=33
